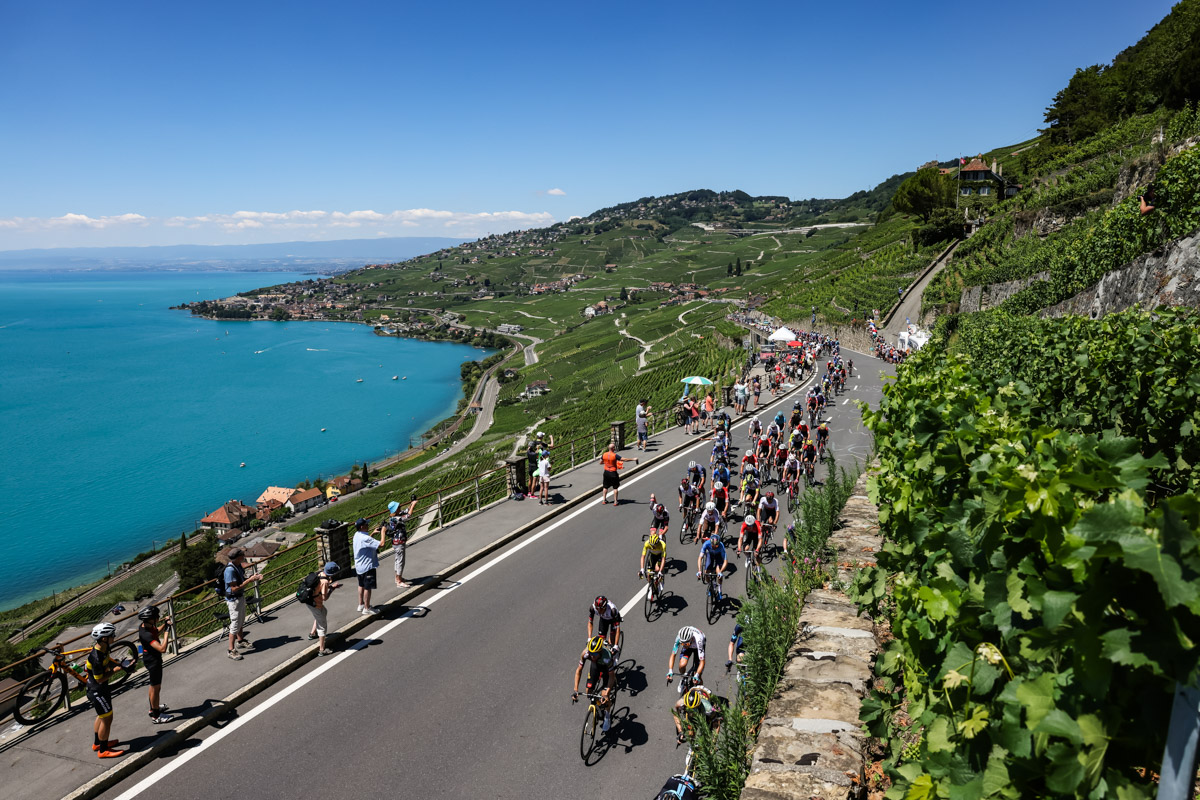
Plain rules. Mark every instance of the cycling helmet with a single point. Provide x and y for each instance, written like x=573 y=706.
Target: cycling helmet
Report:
x=796 y=404
x=601 y=602
x=718 y=485
x=660 y=508
x=692 y=698
x=654 y=539
x=714 y=536
x=710 y=506
x=751 y=518
x=149 y=612
x=104 y=629
x=683 y=481
x=691 y=465
x=595 y=643
x=770 y=495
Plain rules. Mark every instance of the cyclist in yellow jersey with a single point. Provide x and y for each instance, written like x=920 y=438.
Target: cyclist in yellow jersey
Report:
x=654 y=555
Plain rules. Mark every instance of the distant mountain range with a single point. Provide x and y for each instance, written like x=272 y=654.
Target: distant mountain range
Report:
x=331 y=256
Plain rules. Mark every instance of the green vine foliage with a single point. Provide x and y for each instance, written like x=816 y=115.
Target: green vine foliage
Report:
x=1042 y=609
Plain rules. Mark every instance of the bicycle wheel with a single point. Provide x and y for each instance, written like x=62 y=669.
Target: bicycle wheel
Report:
x=710 y=602
x=649 y=604
x=749 y=568
x=587 y=737
x=40 y=697
x=122 y=651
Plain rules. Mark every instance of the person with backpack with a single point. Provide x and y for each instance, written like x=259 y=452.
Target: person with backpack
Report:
x=315 y=589
x=231 y=584
x=397 y=525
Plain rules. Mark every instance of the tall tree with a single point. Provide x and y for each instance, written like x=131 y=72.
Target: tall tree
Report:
x=924 y=192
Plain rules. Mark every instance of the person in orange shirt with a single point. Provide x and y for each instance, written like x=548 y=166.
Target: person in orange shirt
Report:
x=612 y=478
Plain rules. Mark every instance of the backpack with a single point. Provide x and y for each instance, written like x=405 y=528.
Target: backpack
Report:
x=219 y=588
x=308 y=588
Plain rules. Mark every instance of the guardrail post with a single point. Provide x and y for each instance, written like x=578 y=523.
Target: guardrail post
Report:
x=258 y=591
x=477 y=494
x=516 y=475
x=439 y=516
x=618 y=434
x=594 y=452
x=171 y=626
x=572 y=455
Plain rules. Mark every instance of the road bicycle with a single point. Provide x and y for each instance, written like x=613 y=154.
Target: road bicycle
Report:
x=41 y=695
x=687 y=530
x=791 y=488
x=767 y=529
x=597 y=705
x=712 y=596
x=810 y=473
x=653 y=592
x=753 y=569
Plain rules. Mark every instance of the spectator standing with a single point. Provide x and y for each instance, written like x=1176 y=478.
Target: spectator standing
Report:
x=99 y=667
x=325 y=587
x=153 y=648
x=235 y=600
x=756 y=387
x=531 y=459
x=641 y=418
x=694 y=407
x=366 y=563
x=397 y=525
x=612 y=477
x=709 y=407
x=739 y=396
x=543 y=472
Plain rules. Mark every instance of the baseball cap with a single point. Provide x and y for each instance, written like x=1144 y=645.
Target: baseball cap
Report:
x=235 y=554
x=393 y=507
x=360 y=523
x=331 y=567
x=540 y=434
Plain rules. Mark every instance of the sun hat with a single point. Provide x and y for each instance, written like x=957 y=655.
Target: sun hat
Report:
x=393 y=507
x=331 y=567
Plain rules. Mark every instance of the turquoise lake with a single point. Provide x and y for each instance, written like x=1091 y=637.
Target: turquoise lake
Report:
x=123 y=423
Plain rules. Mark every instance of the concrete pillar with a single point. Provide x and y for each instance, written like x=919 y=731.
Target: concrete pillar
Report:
x=618 y=434
x=515 y=472
x=728 y=393
x=333 y=544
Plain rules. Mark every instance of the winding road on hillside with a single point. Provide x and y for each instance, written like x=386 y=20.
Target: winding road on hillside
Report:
x=469 y=694
x=910 y=303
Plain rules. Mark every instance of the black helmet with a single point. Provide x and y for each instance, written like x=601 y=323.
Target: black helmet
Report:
x=149 y=612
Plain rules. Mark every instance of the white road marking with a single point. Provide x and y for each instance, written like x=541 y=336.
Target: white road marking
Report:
x=637 y=598
x=144 y=784
x=847 y=400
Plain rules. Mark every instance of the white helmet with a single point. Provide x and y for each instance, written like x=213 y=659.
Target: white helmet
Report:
x=710 y=506
x=104 y=629
x=718 y=485
x=751 y=518
x=691 y=465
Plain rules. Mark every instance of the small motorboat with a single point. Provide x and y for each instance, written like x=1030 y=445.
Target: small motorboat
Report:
x=395 y=377
x=359 y=380
x=322 y=430
x=242 y=464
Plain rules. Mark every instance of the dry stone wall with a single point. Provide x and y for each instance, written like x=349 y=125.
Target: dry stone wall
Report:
x=811 y=742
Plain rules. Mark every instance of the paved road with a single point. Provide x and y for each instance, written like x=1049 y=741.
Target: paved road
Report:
x=910 y=303
x=468 y=696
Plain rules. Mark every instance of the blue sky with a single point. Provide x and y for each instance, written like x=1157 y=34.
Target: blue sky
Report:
x=159 y=123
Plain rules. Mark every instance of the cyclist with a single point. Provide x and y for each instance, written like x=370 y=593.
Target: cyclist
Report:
x=737 y=646
x=821 y=403
x=713 y=558
x=750 y=487
x=781 y=456
x=755 y=429
x=720 y=451
x=720 y=474
x=750 y=537
x=654 y=558
x=602 y=671
x=802 y=430
x=779 y=422
x=688 y=642
x=710 y=521
x=149 y=636
x=791 y=472
x=610 y=619
x=768 y=514
x=808 y=455
x=750 y=457
x=763 y=448
x=688 y=495
x=660 y=520
x=697 y=475
x=850 y=367
x=99 y=666
x=797 y=414
x=822 y=438
x=696 y=701
x=812 y=405
x=720 y=497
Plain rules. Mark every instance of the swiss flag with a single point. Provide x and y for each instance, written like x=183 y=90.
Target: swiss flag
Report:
x=961 y=161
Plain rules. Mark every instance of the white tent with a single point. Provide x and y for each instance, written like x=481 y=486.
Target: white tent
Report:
x=781 y=335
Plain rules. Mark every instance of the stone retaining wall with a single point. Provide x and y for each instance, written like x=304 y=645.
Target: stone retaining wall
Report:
x=811 y=743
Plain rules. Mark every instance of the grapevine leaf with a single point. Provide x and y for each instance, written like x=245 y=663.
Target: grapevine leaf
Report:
x=1096 y=739
x=1118 y=648
x=1055 y=607
x=1037 y=696
x=1142 y=552
x=937 y=738
x=1067 y=772
x=1059 y=723
x=920 y=789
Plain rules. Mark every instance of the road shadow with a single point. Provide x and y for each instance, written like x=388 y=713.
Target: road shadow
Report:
x=631 y=677
x=270 y=643
x=626 y=732
x=671 y=603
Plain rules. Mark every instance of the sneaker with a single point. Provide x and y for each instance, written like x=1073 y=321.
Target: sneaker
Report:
x=110 y=753
x=372 y=611
x=235 y=655
x=360 y=608
x=160 y=719
x=325 y=652
x=111 y=743
x=312 y=636
x=244 y=644
x=406 y=584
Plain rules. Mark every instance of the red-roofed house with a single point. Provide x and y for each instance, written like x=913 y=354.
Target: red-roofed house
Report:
x=229 y=516
x=277 y=493
x=304 y=499
x=977 y=179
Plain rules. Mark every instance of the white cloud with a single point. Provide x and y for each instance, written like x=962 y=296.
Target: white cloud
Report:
x=556 y=192
x=245 y=225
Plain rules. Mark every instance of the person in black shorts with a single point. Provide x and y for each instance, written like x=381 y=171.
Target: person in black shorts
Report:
x=99 y=666
x=153 y=648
